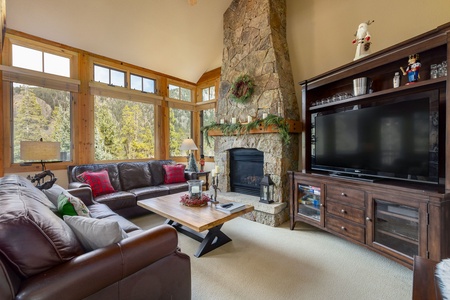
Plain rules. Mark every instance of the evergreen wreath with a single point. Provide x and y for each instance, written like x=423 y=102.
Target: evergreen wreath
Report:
x=242 y=89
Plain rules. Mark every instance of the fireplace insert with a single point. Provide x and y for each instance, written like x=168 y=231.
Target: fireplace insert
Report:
x=246 y=170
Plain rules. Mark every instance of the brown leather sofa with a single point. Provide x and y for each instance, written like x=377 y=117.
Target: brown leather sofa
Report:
x=41 y=257
x=132 y=181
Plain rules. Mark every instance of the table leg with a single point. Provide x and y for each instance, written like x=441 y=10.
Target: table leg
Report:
x=212 y=240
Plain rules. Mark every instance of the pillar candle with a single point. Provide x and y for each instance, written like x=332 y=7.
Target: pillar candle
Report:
x=264 y=115
x=233 y=120
x=217 y=169
x=213 y=172
x=249 y=119
x=222 y=121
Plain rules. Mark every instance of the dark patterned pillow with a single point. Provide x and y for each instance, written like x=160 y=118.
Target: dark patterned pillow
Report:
x=174 y=173
x=99 y=182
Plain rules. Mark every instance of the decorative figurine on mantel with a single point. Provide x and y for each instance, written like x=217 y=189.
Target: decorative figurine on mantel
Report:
x=362 y=40
x=412 y=69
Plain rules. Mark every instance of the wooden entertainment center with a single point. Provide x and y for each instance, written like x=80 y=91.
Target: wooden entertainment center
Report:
x=399 y=219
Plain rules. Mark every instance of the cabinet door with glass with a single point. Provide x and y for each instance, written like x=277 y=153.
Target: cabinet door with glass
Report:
x=397 y=226
x=308 y=204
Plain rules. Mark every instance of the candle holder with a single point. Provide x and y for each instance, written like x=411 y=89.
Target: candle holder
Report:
x=215 y=186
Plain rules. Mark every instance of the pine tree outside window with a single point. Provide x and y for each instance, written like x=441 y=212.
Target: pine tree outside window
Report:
x=123 y=129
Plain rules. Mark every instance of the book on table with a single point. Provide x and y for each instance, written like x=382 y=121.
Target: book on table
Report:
x=230 y=207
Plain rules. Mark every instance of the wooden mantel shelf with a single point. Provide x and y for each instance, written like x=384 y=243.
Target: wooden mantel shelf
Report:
x=294 y=127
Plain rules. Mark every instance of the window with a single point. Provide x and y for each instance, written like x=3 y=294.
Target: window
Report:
x=41 y=113
x=207 y=117
x=209 y=93
x=109 y=76
x=123 y=129
x=40 y=61
x=180 y=93
x=143 y=84
x=180 y=129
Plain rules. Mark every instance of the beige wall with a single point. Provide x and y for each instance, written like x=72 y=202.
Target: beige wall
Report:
x=320 y=32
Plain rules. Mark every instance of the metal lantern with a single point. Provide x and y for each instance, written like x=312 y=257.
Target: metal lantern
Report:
x=267 y=194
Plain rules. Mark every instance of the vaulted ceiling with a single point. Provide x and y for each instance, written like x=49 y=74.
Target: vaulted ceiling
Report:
x=167 y=36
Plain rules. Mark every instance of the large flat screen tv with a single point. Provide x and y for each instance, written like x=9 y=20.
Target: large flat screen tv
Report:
x=395 y=139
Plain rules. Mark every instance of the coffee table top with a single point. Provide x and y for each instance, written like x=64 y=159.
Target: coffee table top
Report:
x=196 y=218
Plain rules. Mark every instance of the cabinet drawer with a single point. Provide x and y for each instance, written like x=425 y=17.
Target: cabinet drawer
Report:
x=345 y=211
x=345 y=195
x=346 y=228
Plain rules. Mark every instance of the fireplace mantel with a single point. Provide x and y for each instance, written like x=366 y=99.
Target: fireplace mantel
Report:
x=294 y=127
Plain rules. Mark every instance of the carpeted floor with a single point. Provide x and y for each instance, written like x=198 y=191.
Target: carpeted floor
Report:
x=265 y=262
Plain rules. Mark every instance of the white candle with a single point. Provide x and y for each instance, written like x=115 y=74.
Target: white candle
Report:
x=195 y=189
x=264 y=115
x=213 y=172
x=217 y=169
x=222 y=121
x=249 y=119
x=233 y=120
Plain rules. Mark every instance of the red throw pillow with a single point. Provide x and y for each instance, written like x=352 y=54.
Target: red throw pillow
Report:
x=174 y=173
x=99 y=182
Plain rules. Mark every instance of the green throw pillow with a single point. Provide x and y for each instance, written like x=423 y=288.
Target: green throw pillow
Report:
x=72 y=206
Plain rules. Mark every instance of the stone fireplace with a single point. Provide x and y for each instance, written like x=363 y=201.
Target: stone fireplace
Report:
x=255 y=45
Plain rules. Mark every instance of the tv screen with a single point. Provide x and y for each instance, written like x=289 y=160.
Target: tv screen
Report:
x=395 y=140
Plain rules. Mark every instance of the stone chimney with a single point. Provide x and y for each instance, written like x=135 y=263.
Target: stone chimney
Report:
x=255 y=45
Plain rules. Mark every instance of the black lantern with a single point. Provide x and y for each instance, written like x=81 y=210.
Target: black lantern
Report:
x=267 y=190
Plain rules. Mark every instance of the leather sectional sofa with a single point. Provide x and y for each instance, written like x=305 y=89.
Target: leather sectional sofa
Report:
x=131 y=181
x=41 y=257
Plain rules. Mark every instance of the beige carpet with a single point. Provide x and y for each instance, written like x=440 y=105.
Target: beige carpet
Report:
x=264 y=262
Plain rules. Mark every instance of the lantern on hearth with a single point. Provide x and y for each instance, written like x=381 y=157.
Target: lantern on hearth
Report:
x=267 y=194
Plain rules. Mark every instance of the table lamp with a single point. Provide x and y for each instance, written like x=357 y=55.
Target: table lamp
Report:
x=39 y=151
x=189 y=145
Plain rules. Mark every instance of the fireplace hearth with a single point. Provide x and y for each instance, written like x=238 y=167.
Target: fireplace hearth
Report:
x=246 y=170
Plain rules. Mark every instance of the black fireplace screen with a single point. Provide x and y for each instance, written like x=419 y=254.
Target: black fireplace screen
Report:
x=246 y=170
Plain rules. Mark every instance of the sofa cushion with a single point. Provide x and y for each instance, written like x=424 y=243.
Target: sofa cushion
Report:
x=99 y=182
x=134 y=175
x=54 y=192
x=72 y=206
x=174 y=173
x=118 y=200
x=32 y=237
x=95 y=233
x=157 y=171
x=150 y=192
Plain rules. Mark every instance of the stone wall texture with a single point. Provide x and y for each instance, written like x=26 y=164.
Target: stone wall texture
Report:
x=255 y=44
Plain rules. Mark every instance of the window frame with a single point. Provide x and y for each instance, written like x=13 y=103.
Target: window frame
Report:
x=12 y=75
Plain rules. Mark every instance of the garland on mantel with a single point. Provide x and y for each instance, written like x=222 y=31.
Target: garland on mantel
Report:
x=238 y=128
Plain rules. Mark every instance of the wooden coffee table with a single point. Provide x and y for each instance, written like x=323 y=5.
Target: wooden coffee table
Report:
x=194 y=220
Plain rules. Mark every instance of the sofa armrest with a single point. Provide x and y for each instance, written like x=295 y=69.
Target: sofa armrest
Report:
x=84 y=193
x=77 y=184
x=98 y=269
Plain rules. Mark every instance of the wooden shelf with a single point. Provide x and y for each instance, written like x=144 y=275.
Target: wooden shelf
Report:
x=294 y=127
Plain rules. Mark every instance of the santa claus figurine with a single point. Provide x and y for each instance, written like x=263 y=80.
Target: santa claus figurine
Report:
x=362 y=40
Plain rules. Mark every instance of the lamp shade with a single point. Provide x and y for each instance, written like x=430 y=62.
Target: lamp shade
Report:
x=188 y=144
x=39 y=151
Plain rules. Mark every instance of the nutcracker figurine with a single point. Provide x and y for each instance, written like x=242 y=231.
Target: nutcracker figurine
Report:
x=202 y=163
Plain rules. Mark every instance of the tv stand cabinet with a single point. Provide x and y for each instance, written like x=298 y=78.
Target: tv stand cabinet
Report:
x=396 y=218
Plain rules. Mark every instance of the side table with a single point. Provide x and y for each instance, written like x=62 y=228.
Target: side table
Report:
x=205 y=174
